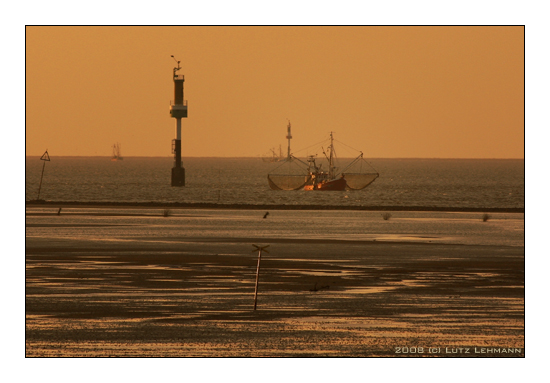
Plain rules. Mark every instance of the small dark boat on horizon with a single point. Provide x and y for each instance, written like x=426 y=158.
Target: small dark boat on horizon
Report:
x=116 y=153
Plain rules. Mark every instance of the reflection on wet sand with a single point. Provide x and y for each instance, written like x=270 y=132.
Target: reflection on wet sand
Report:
x=120 y=295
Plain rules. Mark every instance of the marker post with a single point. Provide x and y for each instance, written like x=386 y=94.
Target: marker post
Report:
x=260 y=249
x=45 y=157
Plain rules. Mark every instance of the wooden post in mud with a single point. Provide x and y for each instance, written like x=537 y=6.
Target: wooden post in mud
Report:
x=260 y=249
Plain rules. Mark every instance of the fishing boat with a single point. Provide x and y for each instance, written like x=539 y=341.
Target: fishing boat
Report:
x=274 y=157
x=295 y=174
x=116 y=153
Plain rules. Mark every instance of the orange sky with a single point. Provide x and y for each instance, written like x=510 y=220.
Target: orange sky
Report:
x=406 y=92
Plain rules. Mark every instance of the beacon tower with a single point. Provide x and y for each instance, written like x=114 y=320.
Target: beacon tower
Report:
x=178 y=110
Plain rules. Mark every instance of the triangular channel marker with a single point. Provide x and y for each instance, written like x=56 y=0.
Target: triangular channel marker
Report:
x=260 y=248
x=45 y=156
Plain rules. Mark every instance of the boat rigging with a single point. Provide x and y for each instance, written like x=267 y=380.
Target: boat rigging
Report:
x=310 y=175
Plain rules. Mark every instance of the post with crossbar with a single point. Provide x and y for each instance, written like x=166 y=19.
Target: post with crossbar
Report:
x=260 y=249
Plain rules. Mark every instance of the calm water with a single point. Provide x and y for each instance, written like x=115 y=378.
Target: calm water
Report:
x=402 y=182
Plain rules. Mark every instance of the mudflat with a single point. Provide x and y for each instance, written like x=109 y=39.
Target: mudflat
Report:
x=189 y=297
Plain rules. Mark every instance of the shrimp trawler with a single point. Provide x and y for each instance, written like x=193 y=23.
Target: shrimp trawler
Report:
x=295 y=174
x=274 y=157
x=116 y=153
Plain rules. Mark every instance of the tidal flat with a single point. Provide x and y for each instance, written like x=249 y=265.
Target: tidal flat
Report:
x=332 y=285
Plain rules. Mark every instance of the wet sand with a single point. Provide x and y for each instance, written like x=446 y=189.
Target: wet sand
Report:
x=232 y=206
x=194 y=297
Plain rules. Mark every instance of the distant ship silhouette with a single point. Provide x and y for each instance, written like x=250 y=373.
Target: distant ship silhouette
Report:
x=116 y=153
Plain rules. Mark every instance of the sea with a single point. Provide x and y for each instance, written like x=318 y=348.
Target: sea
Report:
x=408 y=183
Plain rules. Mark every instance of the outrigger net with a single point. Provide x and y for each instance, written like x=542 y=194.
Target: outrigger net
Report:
x=356 y=181
x=359 y=174
x=286 y=182
x=290 y=175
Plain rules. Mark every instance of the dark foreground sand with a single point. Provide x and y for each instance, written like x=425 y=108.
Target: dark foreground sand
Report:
x=317 y=298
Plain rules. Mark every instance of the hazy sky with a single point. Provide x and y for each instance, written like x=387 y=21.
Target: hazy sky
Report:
x=430 y=92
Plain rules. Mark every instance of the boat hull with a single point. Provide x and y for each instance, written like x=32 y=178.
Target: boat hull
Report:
x=333 y=185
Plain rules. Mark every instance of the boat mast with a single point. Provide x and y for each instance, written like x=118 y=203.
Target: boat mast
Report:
x=330 y=167
x=116 y=150
x=289 y=137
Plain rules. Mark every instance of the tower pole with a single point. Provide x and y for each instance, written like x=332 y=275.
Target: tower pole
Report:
x=178 y=110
